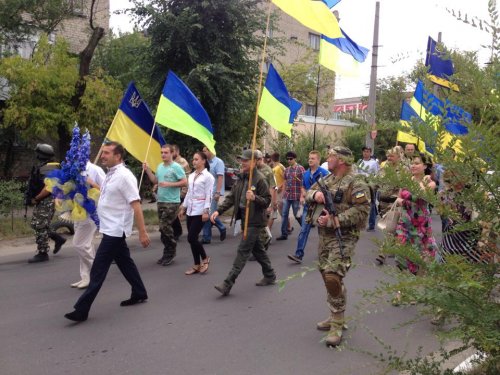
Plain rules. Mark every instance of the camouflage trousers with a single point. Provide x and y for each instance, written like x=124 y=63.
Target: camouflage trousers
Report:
x=251 y=245
x=167 y=213
x=330 y=261
x=40 y=222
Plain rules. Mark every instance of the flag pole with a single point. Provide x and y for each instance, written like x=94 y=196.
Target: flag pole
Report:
x=104 y=140
x=147 y=153
x=254 y=137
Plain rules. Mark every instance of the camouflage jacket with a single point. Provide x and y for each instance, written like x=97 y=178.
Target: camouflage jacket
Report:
x=354 y=207
x=257 y=216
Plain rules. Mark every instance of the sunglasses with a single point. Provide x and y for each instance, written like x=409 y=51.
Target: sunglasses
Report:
x=290 y=158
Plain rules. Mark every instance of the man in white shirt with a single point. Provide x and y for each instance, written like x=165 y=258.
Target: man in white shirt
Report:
x=369 y=167
x=85 y=230
x=119 y=199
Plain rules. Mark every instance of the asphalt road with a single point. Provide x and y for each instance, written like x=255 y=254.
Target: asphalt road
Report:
x=186 y=327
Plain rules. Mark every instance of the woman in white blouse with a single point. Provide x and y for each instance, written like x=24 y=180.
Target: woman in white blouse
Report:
x=196 y=206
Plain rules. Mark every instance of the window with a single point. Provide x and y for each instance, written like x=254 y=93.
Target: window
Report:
x=310 y=110
x=77 y=7
x=314 y=41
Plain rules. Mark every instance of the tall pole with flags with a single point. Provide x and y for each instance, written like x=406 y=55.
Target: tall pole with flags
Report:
x=372 y=127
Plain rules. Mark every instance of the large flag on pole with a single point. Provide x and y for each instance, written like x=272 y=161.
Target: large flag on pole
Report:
x=276 y=106
x=408 y=116
x=433 y=110
x=132 y=127
x=316 y=15
x=440 y=67
x=181 y=111
x=342 y=55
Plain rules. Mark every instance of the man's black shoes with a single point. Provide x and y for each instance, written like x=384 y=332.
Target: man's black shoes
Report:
x=133 y=301
x=76 y=316
x=58 y=244
x=39 y=257
x=282 y=238
x=223 y=288
x=223 y=235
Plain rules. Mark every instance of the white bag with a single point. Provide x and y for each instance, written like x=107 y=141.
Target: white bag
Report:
x=390 y=220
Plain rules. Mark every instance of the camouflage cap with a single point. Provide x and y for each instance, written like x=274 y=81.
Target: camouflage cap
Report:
x=342 y=153
x=247 y=154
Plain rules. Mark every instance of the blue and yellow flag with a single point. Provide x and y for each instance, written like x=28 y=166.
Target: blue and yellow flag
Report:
x=132 y=127
x=342 y=55
x=316 y=15
x=181 y=111
x=276 y=106
x=331 y=3
x=434 y=111
x=440 y=67
x=429 y=107
x=408 y=115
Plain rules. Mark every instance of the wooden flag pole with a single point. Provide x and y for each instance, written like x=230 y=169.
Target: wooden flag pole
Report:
x=254 y=137
x=104 y=141
x=147 y=153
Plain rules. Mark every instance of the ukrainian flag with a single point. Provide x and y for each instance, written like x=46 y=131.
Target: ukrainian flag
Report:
x=331 y=3
x=342 y=55
x=276 y=106
x=181 y=111
x=440 y=67
x=408 y=115
x=132 y=127
x=433 y=110
x=316 y=15
x=429 y=106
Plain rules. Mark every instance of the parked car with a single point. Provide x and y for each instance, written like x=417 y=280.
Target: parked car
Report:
x=230 y=177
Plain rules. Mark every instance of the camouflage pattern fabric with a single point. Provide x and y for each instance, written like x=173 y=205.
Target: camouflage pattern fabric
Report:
x=40 y=222
x=353 y=212
x=167 y=213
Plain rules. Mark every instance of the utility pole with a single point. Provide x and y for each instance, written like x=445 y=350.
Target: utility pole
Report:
x=372 y=128
x=316 y=108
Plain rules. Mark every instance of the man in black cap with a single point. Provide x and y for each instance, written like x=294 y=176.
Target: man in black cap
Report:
x=259 y=199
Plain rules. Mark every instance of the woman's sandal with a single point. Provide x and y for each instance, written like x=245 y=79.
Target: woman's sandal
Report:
x=204 y=265
x=193 y=270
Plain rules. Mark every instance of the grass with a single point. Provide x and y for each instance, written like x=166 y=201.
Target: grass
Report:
x=150 y=217
x=18 y=228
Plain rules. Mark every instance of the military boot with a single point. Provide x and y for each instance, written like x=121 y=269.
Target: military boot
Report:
x=334 y=337
x=59 y=241
x=223 y=288
x=325 y=325
x=39 y=257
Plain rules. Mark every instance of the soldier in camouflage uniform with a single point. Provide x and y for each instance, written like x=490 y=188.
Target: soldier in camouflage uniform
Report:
x=352 y=202
x=259 y=199
x=41 y=198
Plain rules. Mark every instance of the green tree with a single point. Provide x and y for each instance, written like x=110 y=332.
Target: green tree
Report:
x=21 y=19
x=124 y=57
x=467 y=294
x=211 y=45
x=41 y=89
x=301 y=79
